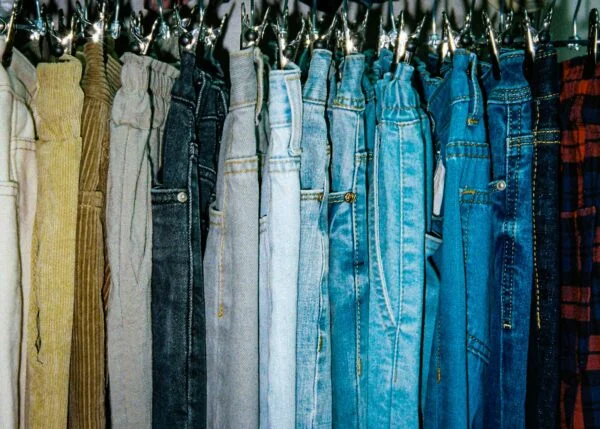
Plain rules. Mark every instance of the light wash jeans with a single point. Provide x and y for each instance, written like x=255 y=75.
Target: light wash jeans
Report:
x=278 y=358
x=348 y=257
x=231 y=262
x=397 y=253
x=313 y=336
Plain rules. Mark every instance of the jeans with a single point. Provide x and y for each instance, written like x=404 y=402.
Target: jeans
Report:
x=397 y=253
x=231 y=261
x=283 y=235
x=543 y=376
x=313 y=337
x=510 y=128
x=460 y=352
x=186 y=179
x=348 y=251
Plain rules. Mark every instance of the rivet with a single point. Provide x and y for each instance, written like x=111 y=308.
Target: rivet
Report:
x=501 y=185
x=350 y=197
x=182 y=197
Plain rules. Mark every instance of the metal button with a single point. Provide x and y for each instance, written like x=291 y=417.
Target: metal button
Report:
x=501 y=185
x=182 y=197
x=350 y=197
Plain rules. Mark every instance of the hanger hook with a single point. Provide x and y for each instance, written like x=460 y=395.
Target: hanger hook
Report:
x=574 y=45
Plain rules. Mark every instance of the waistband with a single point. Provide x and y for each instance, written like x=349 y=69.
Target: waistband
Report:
x=135 y=73
x=383 y=64
x=546 y=82
x=244 y=84
x=59 y=99
x=285 y=105
x=512 y=86
x=349 y=93
x=397 y=98
x=94 y=83
x=315 y=88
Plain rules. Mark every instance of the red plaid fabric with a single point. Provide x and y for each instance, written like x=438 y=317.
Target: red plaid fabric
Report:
x=580 y=235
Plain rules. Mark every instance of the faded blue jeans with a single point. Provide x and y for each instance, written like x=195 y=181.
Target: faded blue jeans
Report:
x=397 y=253
x=313 y=336
x=279 y=300
x=509 y=111
x=460 y=351
x=231 y=260
x=348 y=257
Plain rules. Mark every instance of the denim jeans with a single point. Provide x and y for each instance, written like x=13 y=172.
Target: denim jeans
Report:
x=348 y=250
x=397 y=253
x=460 y=352
x=543 y=376
x=278 y=358
x=231 y=261
x=313 y=338
x=185 y=180
x=510 y=128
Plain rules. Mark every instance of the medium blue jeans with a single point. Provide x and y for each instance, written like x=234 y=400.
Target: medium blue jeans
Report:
x=397 y=253
x=509 y=121
x=348 y=257
x=313 y=336
x=460 y=351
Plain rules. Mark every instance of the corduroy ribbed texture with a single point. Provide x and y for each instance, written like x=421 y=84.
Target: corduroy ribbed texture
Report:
x=57 y=107
x=113 y=78
x=87 y=388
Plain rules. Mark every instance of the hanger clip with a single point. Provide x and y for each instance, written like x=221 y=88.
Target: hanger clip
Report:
x=352 y=36
x=287 y=51
x=252 y=34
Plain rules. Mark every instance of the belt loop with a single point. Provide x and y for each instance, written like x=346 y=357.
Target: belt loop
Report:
x=292 y=84
x=476 y=98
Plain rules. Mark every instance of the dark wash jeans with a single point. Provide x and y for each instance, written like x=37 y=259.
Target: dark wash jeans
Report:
x=543 y=377
x=179 y=209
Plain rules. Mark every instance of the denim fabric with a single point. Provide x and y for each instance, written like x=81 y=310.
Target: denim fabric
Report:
x=427 y=86
x=456 y=389
x=543 y=376
x=231 y=261
x=176 y=253
x=509 y=117
x=313 y=337
x=283 y=235
x=397 y=253
x=348 y=257
x=211 y=109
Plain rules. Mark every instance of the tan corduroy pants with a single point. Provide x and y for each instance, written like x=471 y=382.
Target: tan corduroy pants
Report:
x=87 y=390
x=57 y=107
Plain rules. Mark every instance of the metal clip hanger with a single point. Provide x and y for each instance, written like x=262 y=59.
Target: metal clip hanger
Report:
x=412 y=43
x=530 y=35
x=575 y=39
x=141 y=43
x=316 y=38
x=592 y=50
x=11 y=30
x=466 y=38
x=252 y=34
x=352 y=36
x=387 y=38
x=434 y=39
x=287 y=51
x=492 y=44
x=114 y=28
x=448 y=45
